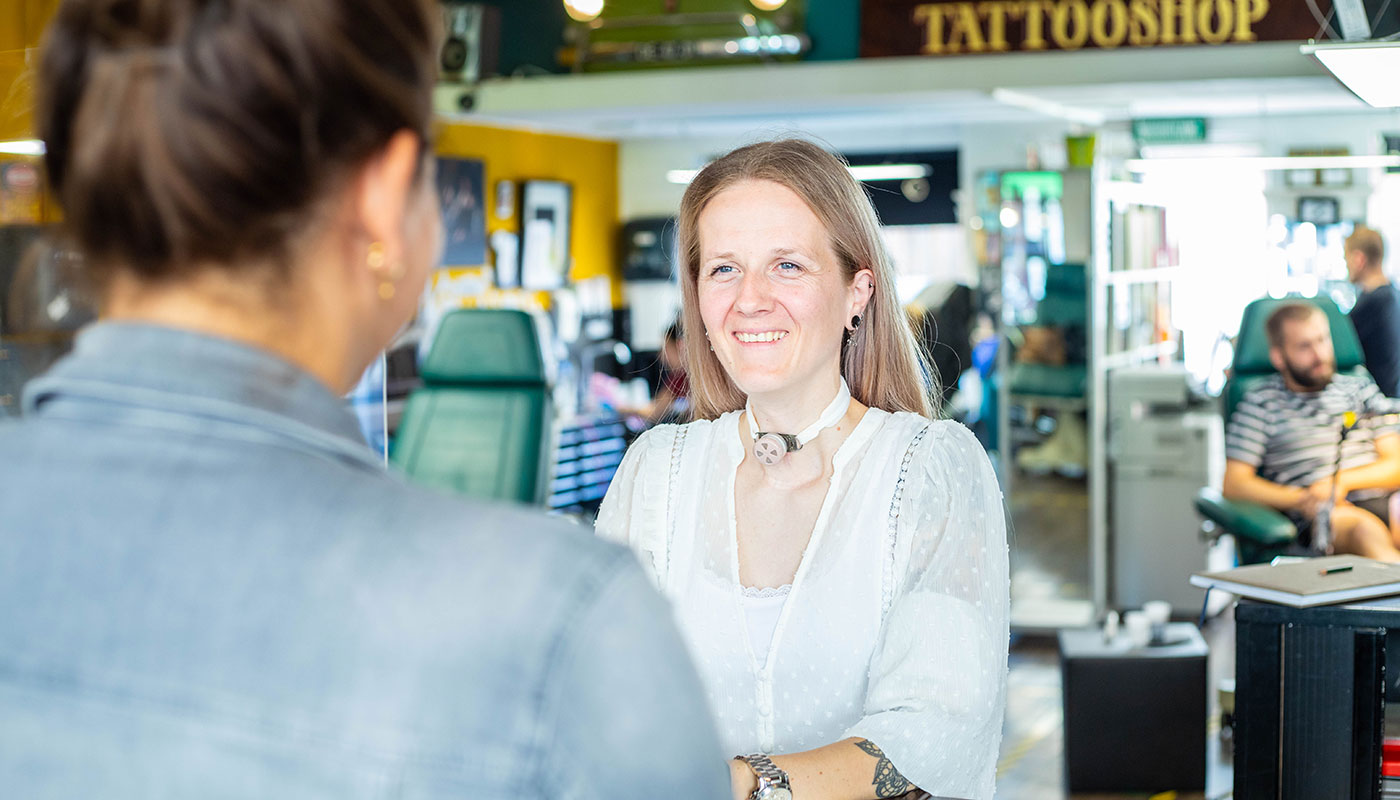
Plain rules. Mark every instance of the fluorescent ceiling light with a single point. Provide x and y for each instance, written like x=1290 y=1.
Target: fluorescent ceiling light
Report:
x=861 y=172
x=1199 y=150
x=1263 y=163
x=889 y=172
x=1368 y=69
x=23 y=147
x=1049 y=108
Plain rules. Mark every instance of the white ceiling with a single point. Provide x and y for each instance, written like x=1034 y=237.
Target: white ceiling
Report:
x=887 y=97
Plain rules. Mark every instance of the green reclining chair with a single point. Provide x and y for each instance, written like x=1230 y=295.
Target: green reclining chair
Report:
x=1260 y=532
x=481 y=425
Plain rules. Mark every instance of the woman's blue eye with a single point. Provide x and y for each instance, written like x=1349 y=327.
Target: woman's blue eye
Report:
x=788 y=266
x=721 y=269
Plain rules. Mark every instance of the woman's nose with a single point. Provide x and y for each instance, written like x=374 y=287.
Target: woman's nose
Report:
x=754 y=293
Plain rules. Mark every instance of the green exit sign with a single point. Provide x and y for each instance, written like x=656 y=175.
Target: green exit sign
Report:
x=1169 y=130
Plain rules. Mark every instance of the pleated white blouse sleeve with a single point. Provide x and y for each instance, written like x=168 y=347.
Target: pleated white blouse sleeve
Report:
x=634 y=511
x=937 y=681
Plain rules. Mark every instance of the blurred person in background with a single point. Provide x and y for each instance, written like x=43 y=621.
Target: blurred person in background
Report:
x=1376 y=315
x=211 y=587
x=1284 y=446
x=837 y=557
x=672 y=400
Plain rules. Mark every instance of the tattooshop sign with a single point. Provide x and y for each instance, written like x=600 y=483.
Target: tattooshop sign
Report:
x=956 y=27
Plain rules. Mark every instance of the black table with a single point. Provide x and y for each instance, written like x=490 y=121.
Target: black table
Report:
x=1310 y=691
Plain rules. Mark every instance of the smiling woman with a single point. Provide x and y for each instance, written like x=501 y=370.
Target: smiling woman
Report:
x=794 y=204
x=836 y=558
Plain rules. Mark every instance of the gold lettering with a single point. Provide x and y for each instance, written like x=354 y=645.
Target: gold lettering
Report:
x=1104 y=11
x=1248 y=12
x=1222 y=12
x=1035 y=23
x=1145 y=27
x=1061 y=21
x=996 y=14
x=930 y=15
x=1183 y=11
x=966 y=28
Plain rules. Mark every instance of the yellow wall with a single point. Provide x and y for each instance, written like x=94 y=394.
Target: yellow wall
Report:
x=589 y=165
x=21 y=26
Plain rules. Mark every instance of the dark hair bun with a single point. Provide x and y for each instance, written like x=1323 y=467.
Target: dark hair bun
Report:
x=185 y=132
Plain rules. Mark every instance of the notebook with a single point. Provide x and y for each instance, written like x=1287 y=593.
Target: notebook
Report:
x=1311 y=582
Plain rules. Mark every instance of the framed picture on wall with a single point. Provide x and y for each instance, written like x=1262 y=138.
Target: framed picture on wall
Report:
x=1319 y=210
x=461 y=188
x=545 y=219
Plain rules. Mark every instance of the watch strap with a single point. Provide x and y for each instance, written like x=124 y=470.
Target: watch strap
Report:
x=768 y=773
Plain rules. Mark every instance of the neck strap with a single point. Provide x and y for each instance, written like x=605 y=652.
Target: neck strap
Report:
x=835 y=410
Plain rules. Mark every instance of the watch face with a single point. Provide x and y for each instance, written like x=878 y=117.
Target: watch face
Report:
x=775 y=793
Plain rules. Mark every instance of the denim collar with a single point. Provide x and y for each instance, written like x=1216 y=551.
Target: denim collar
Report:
x=169 y=377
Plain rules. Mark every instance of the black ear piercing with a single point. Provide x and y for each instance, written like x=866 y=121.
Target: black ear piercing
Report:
x=855 y=322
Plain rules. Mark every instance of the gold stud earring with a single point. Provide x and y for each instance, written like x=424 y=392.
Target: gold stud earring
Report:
x=376 y=259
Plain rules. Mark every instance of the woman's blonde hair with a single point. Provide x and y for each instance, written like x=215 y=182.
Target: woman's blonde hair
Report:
x=880 y=361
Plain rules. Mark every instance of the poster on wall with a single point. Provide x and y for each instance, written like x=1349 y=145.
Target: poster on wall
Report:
x=21 y=192
x=461 y=190
x=545 y=218
x=957 y=27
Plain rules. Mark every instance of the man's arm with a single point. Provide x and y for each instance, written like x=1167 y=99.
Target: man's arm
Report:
x=1242 y=482
x=1383 y=473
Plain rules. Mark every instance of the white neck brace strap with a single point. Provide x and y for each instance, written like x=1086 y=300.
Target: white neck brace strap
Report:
x=769 y=448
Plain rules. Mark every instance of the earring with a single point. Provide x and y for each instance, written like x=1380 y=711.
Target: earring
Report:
x=855 y=323
x=376 y=259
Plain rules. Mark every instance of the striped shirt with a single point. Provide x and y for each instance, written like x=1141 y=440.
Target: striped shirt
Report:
x=1290 y=438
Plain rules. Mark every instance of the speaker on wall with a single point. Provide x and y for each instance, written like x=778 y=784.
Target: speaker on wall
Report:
x=648 y=249
x=472 y=43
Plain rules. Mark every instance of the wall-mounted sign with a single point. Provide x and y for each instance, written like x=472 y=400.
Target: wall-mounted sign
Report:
x=1169 y=130
x=953 y=27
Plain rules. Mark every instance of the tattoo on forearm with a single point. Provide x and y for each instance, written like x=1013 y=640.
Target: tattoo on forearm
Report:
x=888 y=782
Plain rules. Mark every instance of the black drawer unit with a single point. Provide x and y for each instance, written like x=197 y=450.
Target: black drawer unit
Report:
x=585 y=460
x=1310 y=693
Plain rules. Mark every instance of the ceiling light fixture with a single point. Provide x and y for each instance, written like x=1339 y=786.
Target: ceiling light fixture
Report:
x=1368 y=69
x=768 y=5
x=889 y=172
x=23 y=147
x=861 y=172
x=583 y=10
x=1263 y=163
x=1049 y=108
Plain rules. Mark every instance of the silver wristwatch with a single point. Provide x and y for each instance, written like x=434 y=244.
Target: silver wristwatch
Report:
x=772 y=782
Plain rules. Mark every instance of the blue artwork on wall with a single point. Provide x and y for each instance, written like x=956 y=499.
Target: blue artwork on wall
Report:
x=461 y=189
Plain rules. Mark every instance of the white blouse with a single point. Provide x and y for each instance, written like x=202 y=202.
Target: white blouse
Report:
x=896 y=626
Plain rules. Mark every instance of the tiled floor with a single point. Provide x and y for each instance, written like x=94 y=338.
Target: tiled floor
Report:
x=1031 y=766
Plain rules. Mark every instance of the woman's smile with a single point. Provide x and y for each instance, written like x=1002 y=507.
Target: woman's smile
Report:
x=760 y=337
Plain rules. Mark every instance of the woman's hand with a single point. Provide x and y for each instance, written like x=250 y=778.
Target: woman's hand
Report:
x=742 y=779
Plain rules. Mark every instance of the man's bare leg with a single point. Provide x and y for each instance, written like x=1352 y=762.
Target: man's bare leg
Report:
x=1356 y=530
x=1395 y=519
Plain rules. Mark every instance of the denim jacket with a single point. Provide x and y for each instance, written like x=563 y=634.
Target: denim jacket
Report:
x=209 y=587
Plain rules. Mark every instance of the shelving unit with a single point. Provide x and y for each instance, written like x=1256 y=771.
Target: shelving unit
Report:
x=1135 y=268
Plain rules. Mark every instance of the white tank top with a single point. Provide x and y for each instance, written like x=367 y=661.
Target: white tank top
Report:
x=762 y=607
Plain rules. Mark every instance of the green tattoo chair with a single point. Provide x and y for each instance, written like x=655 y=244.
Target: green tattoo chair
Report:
x=481 y=424
x=1260 y=532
